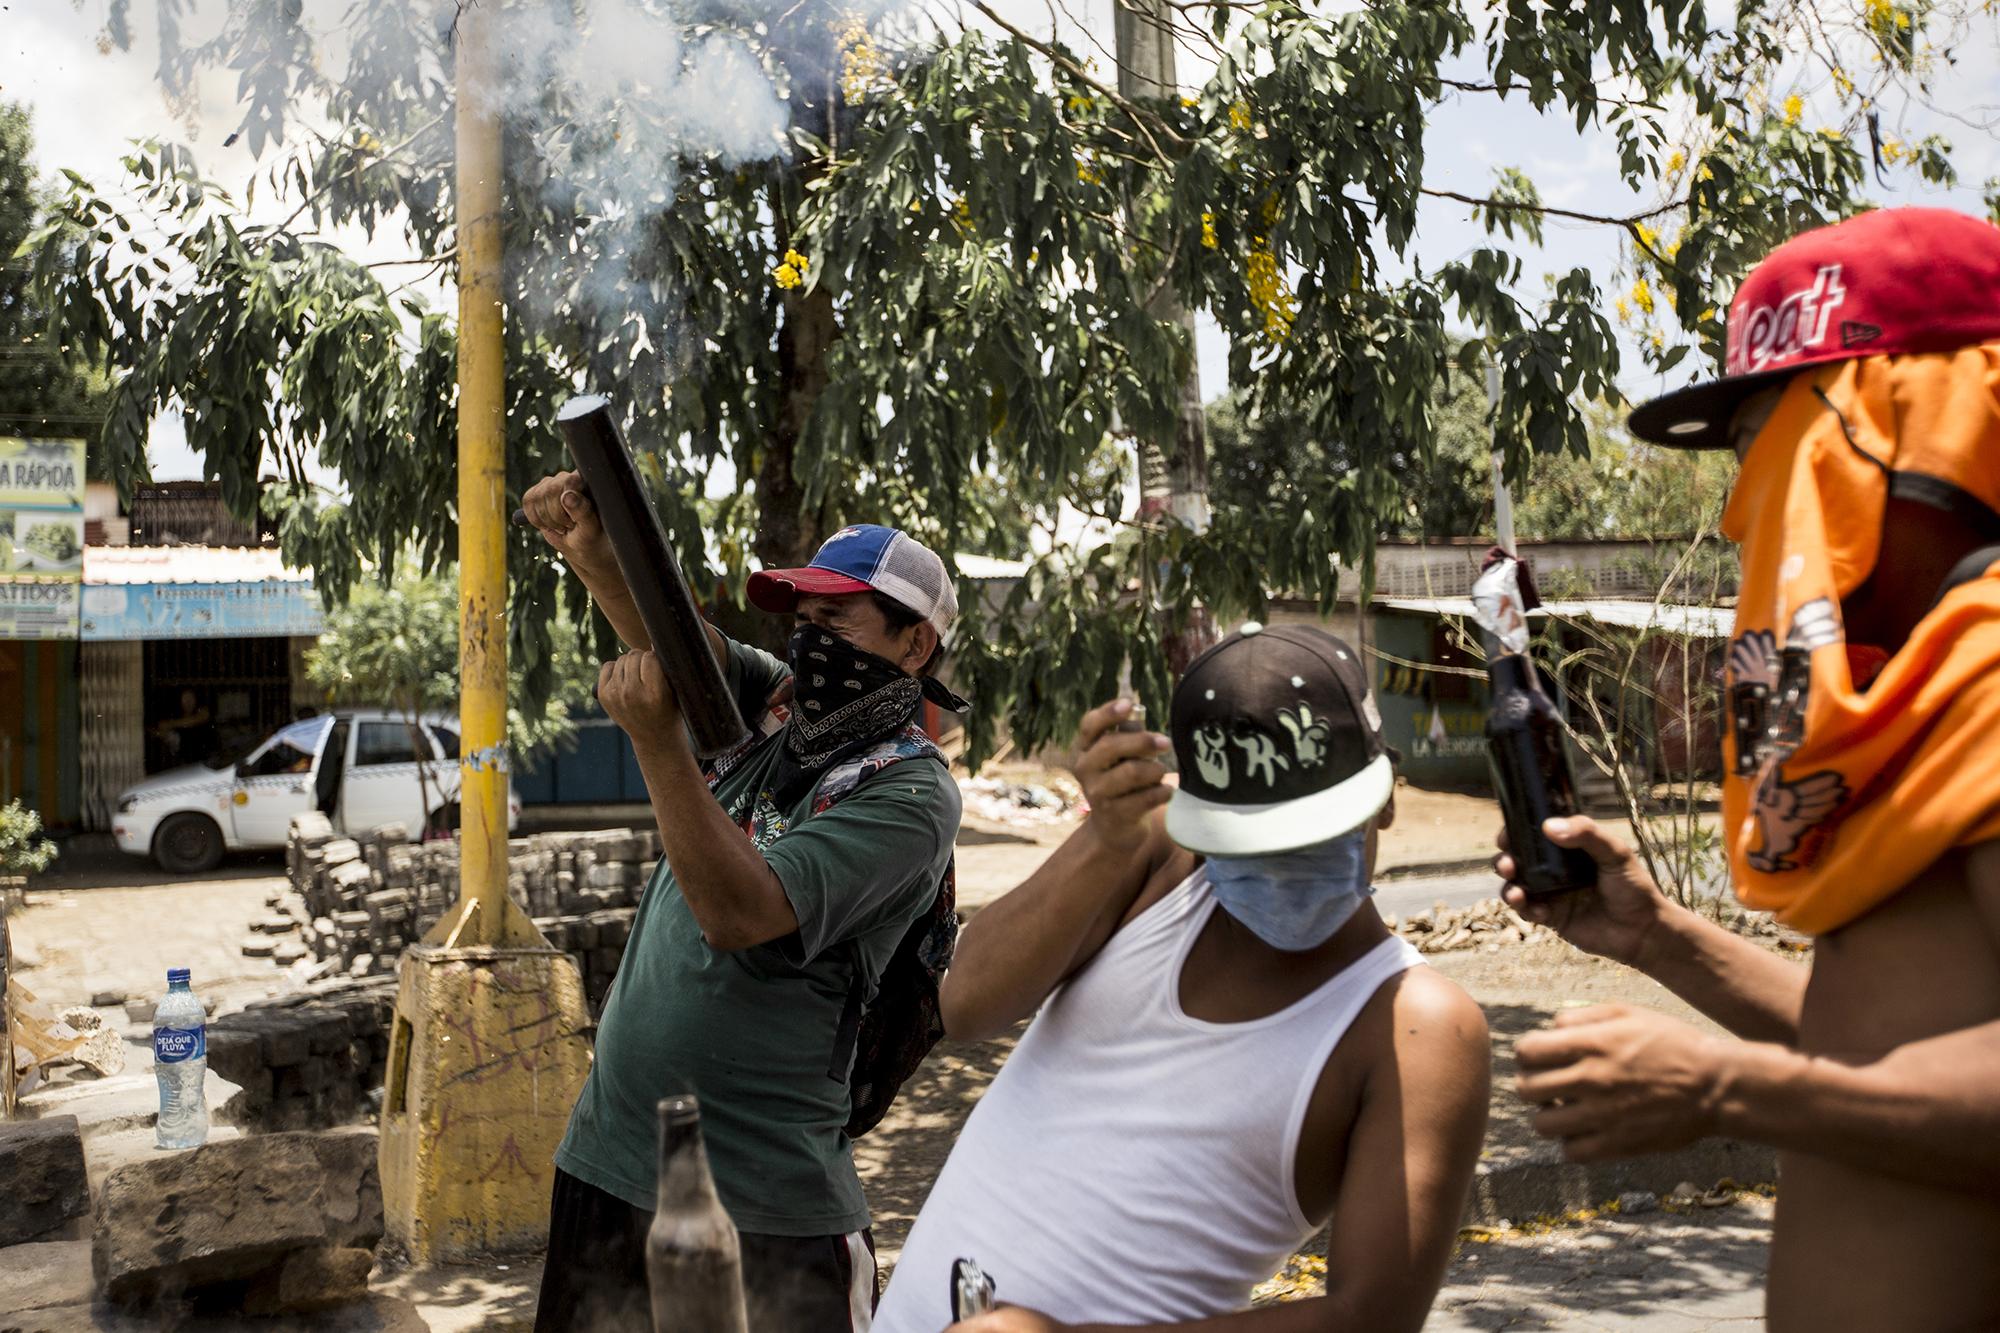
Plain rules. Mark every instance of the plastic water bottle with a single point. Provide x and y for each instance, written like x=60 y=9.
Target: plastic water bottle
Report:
x=180 y=1062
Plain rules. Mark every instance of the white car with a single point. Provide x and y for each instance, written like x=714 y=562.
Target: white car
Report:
x=363 y=767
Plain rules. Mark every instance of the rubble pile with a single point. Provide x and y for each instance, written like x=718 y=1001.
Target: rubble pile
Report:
x=1487 y=924
x=1052 y=800
x=308 y=1059
x=356 y=903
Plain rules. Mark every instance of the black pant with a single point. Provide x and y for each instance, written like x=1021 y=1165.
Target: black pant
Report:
x=595 y=1277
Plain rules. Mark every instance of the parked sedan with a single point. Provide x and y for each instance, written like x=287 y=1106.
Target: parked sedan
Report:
x=362 y=767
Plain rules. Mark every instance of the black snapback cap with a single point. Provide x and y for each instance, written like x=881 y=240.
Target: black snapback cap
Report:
x=1278 y=743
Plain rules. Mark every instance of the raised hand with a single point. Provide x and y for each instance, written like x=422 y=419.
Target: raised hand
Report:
x=634 y=692
x=1121 y=774
x=1612 y=920
x=561 y=510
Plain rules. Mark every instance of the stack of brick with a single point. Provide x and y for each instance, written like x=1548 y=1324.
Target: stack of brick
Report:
x=364 y=899
x=308 y=1059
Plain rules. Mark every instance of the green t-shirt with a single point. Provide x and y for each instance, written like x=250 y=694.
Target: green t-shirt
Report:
x=751 y=1032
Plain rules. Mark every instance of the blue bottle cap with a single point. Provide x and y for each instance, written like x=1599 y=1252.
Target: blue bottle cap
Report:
x=176 y=975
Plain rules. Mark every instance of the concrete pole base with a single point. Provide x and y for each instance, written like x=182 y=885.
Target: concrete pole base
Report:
x=488 y=1054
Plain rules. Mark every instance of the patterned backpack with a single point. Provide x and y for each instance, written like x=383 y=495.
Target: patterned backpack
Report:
x=887 y=1039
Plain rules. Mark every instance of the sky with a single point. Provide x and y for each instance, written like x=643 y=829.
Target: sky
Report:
x=89 y=104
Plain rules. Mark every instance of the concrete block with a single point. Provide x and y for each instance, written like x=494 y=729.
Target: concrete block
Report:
x=41 y=1163
x=232 y=1212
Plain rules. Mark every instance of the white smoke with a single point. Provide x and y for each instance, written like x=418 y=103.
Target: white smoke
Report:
x=615 y=95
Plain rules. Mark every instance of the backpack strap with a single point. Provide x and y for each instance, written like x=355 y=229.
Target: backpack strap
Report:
x=1966 y=570
x=840 y=782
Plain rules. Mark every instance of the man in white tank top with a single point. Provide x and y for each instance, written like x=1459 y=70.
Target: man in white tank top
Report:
x=1230 y=1051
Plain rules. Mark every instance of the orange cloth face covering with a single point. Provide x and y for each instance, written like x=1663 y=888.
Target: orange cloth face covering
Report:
x=1836 y=796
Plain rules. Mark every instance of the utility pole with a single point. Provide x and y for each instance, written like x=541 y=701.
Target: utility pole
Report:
x=1173 y=473
x=482 y=483
x=1503 y=501
x=490 y=1045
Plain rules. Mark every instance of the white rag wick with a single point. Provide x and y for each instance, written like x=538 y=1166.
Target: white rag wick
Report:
x=1496 y=605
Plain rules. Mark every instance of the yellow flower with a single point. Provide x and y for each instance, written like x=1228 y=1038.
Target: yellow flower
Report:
x=1239 y=115
x=1794 y=108
x=1894 y=150
x=1208 y=241
x=962 y=212
x=1675 y=161
x=1087 y=173
x=1844 y=84
x=1190 y=103
x=1647 y=235
x=797 y=260
x=1624 y=311
x=786 y=277
x=1268 y=292
x=861 y=63
x=1642 y=295
x=1885 y=18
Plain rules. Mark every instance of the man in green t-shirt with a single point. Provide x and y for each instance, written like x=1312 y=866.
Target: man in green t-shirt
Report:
x=760 y=920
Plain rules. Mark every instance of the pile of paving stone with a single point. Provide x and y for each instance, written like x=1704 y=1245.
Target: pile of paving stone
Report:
x=1487 y=924
x=1490 y=923
x=356 y=903
x=308 y=1059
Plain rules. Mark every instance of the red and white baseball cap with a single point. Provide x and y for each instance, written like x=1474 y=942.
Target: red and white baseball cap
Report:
x=1885 y=283
x=866 y=557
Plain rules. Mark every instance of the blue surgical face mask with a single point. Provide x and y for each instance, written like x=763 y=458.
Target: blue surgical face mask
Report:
x=1295 y=900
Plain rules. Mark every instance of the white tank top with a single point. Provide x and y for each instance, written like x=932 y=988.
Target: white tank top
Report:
x=1130 y=1164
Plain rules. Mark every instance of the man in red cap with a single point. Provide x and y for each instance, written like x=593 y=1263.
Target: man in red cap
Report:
x=1861 y=796
x=794 y=869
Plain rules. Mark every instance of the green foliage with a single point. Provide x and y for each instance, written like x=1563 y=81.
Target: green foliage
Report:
x=42 y=394
x=23 y=849
x=984 y=225
x=1623 y=488
x=394 y=644
x=1257 y=455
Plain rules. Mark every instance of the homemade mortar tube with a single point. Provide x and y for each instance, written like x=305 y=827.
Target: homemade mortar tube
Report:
x=678 y=634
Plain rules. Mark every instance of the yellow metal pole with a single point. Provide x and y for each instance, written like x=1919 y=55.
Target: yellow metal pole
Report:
x=482 y=486
x=491 y=1041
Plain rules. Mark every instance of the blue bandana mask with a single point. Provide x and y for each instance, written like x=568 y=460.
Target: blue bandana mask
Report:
x=1295 y=901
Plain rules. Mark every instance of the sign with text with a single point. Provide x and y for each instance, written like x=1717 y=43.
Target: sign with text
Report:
x=41 y=537
x=275 y=609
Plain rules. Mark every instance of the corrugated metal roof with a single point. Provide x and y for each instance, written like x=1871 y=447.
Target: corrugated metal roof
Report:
x=1708 y=622
x=115 y=565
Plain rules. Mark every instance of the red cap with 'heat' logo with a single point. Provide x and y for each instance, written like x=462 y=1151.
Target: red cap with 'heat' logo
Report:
x=1885 y=283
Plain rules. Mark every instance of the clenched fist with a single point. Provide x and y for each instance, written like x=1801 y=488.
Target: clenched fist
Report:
x=634 y=691
x=561 y=510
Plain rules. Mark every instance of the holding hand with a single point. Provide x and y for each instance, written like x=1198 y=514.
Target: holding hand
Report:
x=1612 y=920
x=1614 y=1081
x=561 y=510
x=634 y=692
x=1121 y=775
